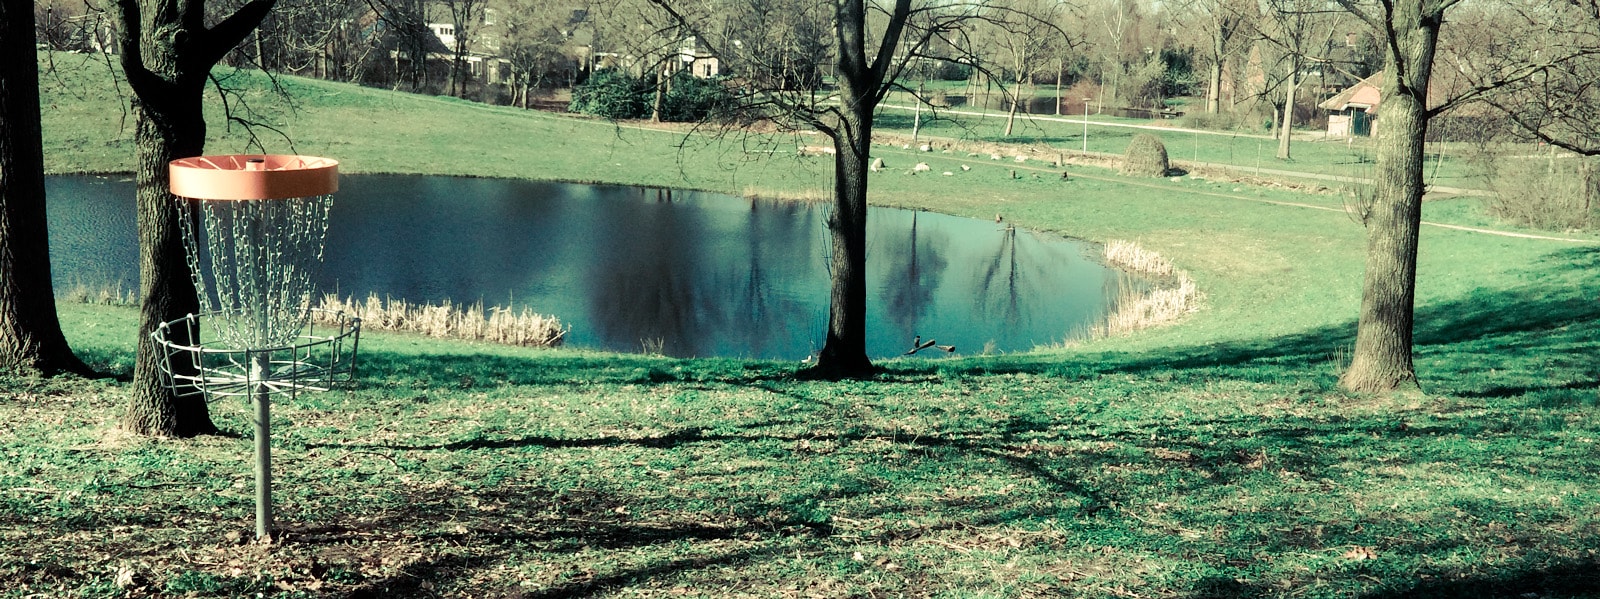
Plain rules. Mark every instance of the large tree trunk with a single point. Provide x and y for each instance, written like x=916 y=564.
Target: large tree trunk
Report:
x=167 y=54
x=30 y=333
x=1382 y=358
x=167 y=129
x=844 y=352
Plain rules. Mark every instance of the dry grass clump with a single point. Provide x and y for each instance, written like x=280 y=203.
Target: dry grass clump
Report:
x=1132 y=257
x=805 y=196
x=1137 y=311
x=1160 y=306
x=104 y=295
x=1146 y=157
x=494 y=325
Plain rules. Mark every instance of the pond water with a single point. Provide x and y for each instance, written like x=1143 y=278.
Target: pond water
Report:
x=699 y=274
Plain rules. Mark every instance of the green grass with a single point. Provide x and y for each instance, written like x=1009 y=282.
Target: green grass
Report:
x=1246 y=154
x=1213 y=458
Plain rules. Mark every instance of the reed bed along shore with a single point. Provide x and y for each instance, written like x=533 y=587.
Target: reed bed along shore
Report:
x=446 y=321
x=1174 y=296
x=104 y=295
x=500 y=325
x=1132 y=257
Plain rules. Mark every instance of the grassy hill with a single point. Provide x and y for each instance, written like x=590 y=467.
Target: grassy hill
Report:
x=1212 y=458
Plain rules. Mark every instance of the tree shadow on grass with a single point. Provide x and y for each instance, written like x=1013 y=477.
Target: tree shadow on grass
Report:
x=1456 y=342
x=1565 y=578
x=453 y=542
x=422 y=578
x=1557 y=315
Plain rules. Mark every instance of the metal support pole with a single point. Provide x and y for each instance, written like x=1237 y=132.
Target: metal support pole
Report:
x=1086 y=125
x=260 y=367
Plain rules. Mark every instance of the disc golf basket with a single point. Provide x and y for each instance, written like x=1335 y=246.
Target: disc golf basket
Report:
x=253 y=231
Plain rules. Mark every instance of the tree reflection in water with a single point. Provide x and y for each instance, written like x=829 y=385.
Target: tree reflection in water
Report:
x=916 y=264
x=1009 y=278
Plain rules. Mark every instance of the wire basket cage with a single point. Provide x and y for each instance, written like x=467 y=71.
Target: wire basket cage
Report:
x=322 y=357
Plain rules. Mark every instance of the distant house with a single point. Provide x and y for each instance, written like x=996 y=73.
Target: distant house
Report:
x=1355 y=111
x=697 y=60
x=690 y=57
x=1352 y=111
x=482 y=56
x=404 y=37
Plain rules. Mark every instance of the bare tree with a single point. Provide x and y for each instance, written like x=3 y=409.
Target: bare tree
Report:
x=1299 y=30
x=532 y=45
x=30 y=333
x=1119 y=18
x=1024 y=30
x=782 y=41
x=1223 y=26
x=873 y=46
x=167 y=53
x=1410 y=32
x=1536 y=64
x=320 y=38
x=465 y=15
x=403 y=31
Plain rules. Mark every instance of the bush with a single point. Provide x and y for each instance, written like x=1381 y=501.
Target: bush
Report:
x=691 y=99
x=1146 y=157
x=612 y=94
x=952 y=71
x=1549 y=191
x=1198 y=118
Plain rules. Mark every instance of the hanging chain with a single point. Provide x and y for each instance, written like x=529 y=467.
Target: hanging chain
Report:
x=254 y=264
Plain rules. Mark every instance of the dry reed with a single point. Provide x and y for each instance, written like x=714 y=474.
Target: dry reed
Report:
x=104 y=295
x=475 y=323
x=1136 y=311
x=1131 y=257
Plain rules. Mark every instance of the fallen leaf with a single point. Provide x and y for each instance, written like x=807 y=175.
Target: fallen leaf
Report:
x=1361 y=553
x=125 y=577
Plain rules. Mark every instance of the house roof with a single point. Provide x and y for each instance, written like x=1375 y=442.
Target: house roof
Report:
x=389 y=30
x=1364 y=94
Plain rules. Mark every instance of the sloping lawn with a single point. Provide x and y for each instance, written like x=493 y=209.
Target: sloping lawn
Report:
x=1213 y=458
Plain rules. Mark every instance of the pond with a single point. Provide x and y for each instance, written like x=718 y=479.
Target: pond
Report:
x=696 y=274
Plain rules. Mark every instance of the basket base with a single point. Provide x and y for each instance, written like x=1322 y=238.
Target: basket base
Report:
x=317 y=361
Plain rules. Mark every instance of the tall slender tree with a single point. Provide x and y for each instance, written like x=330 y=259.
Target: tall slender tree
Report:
x=465 y=16
x=167 y=53
x=1224 y=24
x=30 y=334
